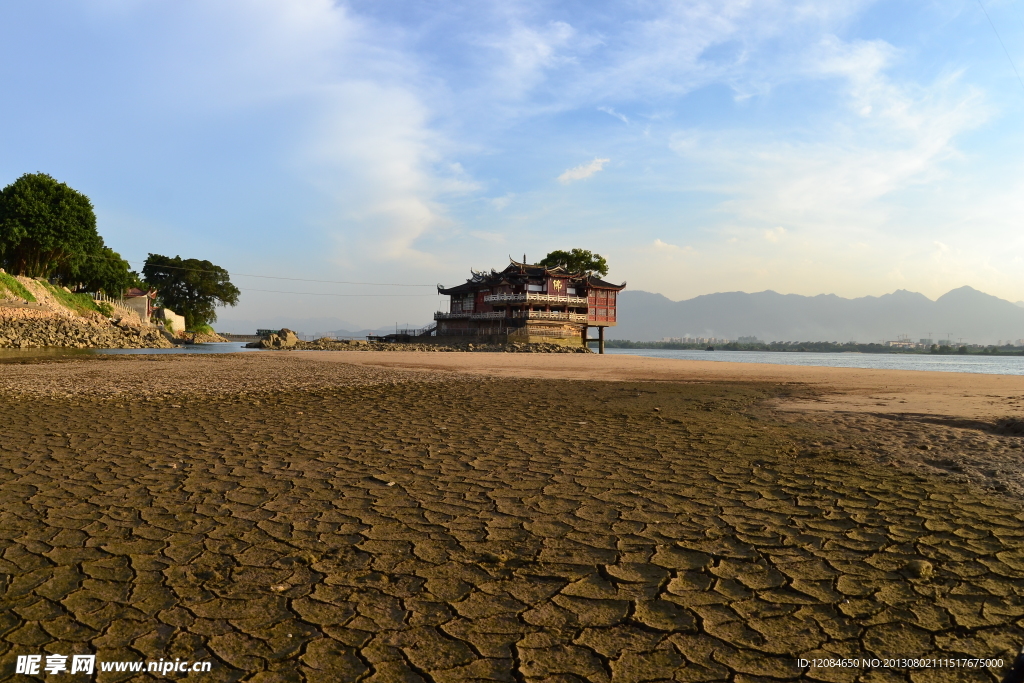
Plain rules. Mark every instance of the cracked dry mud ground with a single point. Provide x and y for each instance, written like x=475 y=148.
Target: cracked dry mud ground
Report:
x=488 y=530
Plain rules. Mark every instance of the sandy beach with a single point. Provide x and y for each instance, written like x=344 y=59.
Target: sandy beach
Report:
x=357 y=516
x=839 y=389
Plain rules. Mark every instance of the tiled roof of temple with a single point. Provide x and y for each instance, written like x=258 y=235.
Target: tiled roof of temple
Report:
x=517 y=273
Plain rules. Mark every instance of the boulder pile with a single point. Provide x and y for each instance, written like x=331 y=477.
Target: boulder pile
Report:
x=201 y=337
x=27 y=328
x=50 y=322
x=286 y=339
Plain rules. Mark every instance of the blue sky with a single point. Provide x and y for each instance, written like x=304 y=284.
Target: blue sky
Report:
x=836 y=147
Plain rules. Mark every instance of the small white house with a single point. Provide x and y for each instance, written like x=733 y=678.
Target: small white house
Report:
x=173 y=323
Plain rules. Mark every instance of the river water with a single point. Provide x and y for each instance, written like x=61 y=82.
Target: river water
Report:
x=989 y=365
x=15 y=355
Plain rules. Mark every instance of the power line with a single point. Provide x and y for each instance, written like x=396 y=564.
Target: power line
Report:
x=275 y=291
x=332 y=282
x=1000 y=39
x=273 y=277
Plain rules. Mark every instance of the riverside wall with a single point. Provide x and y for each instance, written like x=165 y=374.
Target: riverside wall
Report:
x=46 y=322
x=32 y=328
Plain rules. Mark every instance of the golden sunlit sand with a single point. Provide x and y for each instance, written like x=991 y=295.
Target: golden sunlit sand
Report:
x=908 y=391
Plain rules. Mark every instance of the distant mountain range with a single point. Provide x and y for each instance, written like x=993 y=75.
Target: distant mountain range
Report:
x=961 y=313
x=643 y=316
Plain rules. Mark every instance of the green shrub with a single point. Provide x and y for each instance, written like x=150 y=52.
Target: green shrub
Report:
x=80 y=303
x=10 y=283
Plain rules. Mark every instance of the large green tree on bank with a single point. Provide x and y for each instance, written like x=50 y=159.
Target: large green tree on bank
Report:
x=190 y=287
x=577 y=261
x=48 y=230
x=103 y=271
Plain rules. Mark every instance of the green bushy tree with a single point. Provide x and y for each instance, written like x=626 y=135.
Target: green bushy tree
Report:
x=104 y=271
x=45 y=226
x=190 y=287
x=48 y=229
x=577 y=261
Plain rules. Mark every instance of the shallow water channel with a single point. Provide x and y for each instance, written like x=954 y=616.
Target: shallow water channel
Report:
x=53 y=353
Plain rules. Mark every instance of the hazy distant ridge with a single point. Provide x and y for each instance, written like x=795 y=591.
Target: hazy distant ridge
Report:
x=965 y=312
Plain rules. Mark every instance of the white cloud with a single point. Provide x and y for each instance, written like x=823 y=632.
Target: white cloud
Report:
x=374 y=155
x=336 y=95
x=540 y=60
x=362 y=132
x=582 y=171
x=839 y=181
x=523 y=56
x=495 y=237
x=244 y=54
x=666 y=49
x=612 y=112
x=499 y=203
x=666 y=248
x=864 y=189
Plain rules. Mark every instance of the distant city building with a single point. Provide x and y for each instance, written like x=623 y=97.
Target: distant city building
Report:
x=695 y=340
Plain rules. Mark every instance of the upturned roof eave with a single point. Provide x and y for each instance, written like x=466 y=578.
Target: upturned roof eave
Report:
x=594 y=281
x=517 y=271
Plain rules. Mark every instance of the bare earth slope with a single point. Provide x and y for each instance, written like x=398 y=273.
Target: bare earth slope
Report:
x=294 y=516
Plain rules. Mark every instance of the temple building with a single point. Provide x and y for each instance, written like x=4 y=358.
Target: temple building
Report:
x=529 y=303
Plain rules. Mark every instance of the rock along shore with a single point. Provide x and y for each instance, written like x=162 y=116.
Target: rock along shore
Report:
x=201 y=338
x=287 y=340
x=44 y=320
x=33 y=328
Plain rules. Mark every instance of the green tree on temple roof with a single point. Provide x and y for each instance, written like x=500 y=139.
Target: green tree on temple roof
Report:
x=577 y=261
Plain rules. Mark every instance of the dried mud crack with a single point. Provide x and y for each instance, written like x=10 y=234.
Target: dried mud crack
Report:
x=386 y=528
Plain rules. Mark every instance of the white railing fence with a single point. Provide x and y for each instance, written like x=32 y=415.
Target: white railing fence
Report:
x=497 y=315
x=117 y=304
x=546 y=298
